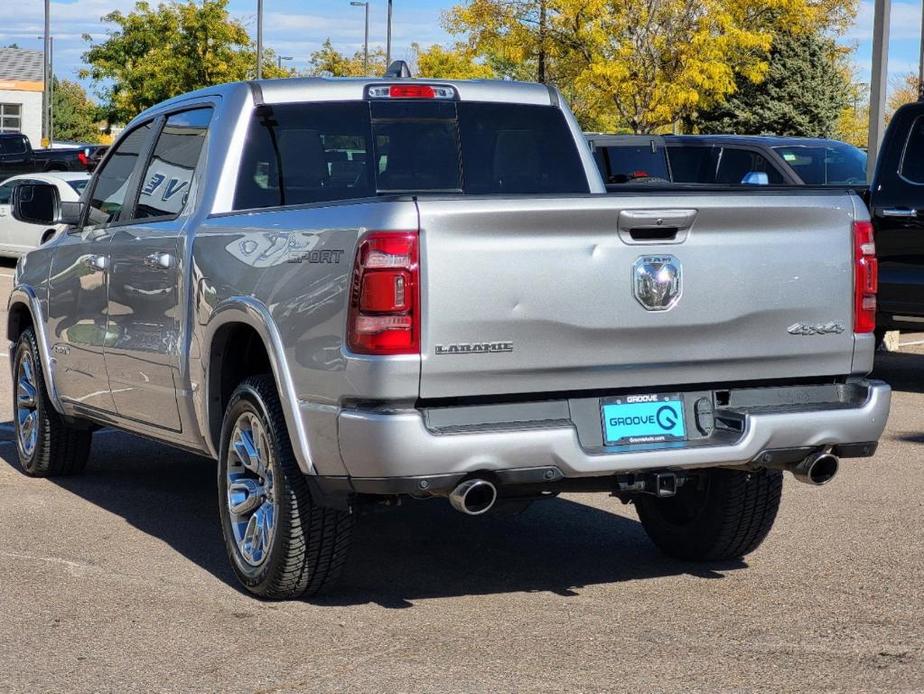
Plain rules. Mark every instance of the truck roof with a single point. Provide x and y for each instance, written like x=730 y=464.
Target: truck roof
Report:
x=280 y=91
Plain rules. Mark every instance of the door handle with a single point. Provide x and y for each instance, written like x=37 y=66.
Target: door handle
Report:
x=898 y=212
x=160 y=261
x=97 y=263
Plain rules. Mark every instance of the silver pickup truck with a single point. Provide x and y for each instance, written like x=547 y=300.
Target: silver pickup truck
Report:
x=351 y=292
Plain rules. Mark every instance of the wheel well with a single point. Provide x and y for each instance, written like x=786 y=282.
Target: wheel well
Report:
x=237 y=352
x=19 y=318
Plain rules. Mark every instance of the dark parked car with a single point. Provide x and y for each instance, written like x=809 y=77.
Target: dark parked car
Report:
x=727 y=160
x=18 y=157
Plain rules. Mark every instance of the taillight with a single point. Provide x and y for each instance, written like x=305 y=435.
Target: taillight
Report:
x=82 y=158
x=865 y=278
x=384 y=315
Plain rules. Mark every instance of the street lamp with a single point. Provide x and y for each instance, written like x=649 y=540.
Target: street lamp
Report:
x=388 y=38
x=48 y=117
x=259 y=39
x=354 y=3
x=280 y=58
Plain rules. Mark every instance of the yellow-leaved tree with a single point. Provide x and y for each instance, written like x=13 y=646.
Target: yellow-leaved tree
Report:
x=457 y=62
x=636 y=65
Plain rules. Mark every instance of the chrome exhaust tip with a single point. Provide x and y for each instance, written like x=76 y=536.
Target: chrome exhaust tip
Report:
x=473 y=497
x=817 y=469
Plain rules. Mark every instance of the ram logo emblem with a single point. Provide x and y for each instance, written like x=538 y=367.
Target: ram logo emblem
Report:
x=656 y=281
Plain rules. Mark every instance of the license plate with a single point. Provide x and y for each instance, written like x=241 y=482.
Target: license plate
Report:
x=654 y=418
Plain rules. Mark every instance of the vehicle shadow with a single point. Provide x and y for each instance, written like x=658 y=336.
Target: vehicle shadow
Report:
x=904 y=371
x=418 y=550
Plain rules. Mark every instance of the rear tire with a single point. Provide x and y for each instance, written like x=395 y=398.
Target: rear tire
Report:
x=280 y=542
x=47 y=445
x=719 y=515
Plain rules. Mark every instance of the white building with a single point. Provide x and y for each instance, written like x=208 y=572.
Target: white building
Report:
x=21 y=85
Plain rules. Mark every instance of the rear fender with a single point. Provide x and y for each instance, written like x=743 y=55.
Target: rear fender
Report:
x=251 y=312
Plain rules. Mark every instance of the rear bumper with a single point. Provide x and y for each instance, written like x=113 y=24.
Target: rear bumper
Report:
x=377 y=446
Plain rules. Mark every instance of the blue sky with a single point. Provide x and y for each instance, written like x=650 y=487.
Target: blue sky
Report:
x=296 y=28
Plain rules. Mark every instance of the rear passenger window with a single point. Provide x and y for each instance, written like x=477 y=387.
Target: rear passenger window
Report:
x=166 y=182
x=735 y=164
x=912 y=167
x=627 y=163
x=309 y=153
x=692 y=164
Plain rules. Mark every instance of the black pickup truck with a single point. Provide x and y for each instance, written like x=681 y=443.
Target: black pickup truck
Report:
x=18 y=157
x=896 y=204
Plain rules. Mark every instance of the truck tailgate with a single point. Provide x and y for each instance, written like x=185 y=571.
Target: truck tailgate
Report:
x=537 y=294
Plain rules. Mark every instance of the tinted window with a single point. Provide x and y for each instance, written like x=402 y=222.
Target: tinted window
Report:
x=912 y=166
x=166 y=182
x=519 y=149
x=302 y=153
x=693 y=164
x=626 y=163
x=837 y=164
x=6 y=191
x=12 y=145
x=112 y=180
x=79 y=185
x=735 y=164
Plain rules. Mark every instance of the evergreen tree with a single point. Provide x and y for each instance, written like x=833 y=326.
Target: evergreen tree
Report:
x=804 y=93
x=74 y=113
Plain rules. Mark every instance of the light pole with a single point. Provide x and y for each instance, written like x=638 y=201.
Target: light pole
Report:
x=48 y=113
x=879 y=82
x=388 y=38
x=280 y=58
x=46 y=69
x=366 y=40
x=259 y=39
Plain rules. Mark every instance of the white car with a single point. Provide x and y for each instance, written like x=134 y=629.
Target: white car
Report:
x=18 y=238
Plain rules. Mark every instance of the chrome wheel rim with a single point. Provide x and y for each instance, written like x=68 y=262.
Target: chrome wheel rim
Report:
x=27 y=413
x=251 y=489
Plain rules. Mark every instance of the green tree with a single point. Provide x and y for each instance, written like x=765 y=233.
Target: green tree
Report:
x=327 y=61
x=75 y=115
x=154 y=53
x=805 y=93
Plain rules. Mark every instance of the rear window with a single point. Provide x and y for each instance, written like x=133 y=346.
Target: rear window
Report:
x=693 y=164
x=12 y=145
x=836 y=164
x=317 y=152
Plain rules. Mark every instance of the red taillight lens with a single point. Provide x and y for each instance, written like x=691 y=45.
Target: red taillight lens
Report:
x=384 y=300
x=865 y=278
x=411 y=91
x=82 y=158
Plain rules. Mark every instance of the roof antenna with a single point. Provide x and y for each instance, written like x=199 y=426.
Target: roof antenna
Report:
x=398 y=69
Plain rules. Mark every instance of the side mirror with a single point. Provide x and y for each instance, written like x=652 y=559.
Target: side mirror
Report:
x=36 y=203
x=70 y=213
x=756 y=178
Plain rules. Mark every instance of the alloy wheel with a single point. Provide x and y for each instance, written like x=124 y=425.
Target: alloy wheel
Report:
x=251 y=489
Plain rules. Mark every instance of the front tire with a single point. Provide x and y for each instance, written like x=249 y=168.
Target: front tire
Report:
x=47 y=445
x=716 y=516
x=281 y=544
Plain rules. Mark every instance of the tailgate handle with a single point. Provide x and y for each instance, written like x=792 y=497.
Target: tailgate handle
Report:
x=655 y=226
x=653 y=233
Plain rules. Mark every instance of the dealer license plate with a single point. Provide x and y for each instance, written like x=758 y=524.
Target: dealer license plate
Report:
x=656 y=418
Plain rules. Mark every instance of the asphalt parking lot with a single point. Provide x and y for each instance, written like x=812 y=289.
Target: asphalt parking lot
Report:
x=117 y=581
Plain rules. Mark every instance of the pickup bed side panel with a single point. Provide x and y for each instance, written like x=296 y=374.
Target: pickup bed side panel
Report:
x=297 y=263
x=550 y=281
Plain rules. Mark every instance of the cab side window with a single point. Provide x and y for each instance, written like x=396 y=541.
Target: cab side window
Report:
x=169 y=173
x=912 y=168
x=735 y=164
x=113 y=179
